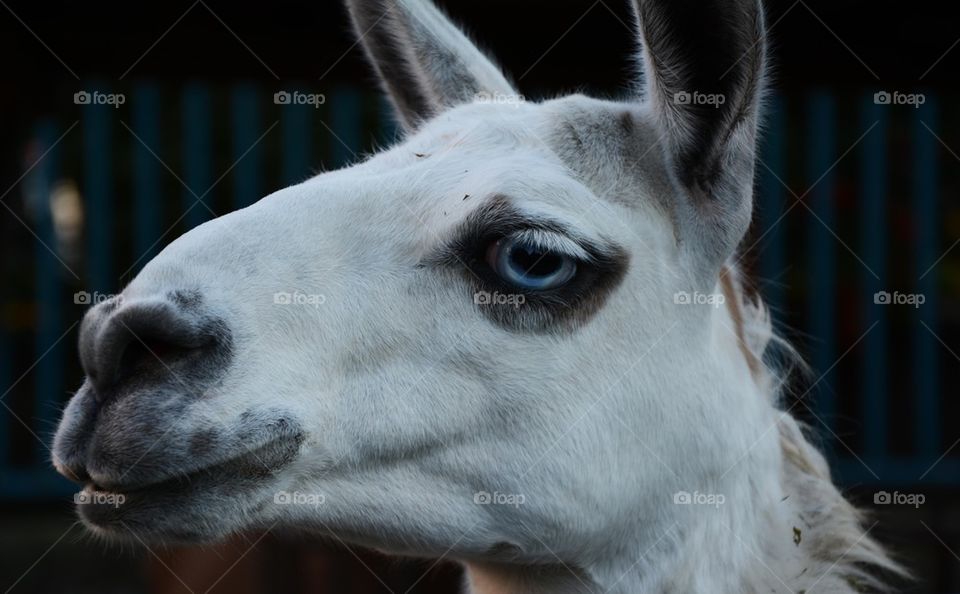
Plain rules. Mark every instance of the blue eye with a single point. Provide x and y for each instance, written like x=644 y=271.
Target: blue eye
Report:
x=527 y=266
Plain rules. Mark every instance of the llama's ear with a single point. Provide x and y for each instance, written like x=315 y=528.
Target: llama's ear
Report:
x=425 y=62
x=703 y=64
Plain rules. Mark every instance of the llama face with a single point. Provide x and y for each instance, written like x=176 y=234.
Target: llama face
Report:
x=447 y=346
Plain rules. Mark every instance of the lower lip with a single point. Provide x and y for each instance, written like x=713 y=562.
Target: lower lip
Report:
x=115 y=508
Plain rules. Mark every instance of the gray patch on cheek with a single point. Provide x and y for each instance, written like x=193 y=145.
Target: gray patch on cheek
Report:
x=187 y=300
x=203 y=443
x=256 y=425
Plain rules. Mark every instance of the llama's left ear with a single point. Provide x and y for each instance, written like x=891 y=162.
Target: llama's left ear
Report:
x=425 y=63
x=703 y=64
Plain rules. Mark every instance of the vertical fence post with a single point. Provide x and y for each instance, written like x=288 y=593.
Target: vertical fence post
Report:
x=100 y=209
x=296 y=131
x=247 y=152
x=821 y=249
x=389 y=128
x=48 y=353
x=147 y=212
x=926 y=351
x=197 y=154
x=872 y=215
x=772 y=263
x=6 y=380
x=346 y=125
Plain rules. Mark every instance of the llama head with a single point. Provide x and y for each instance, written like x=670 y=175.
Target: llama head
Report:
x=491 y=338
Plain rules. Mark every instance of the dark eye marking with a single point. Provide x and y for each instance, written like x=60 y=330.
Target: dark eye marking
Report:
x=531 y=274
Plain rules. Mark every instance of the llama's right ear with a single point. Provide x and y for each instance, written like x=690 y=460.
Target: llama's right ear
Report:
x=425 y=63
x=704 y=64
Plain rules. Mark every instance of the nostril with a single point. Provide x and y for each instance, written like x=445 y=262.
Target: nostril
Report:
x=139 y=340
x=145 y=353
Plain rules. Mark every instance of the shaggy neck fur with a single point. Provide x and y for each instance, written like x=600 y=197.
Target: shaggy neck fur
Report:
x=793 y=533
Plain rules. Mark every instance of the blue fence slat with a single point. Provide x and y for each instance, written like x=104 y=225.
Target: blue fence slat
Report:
x=772 y=196
x=247 y=153
x=197 y=153
x=821 y=249
x=926 y=352
x=6 y=380
x=389 y=130
x=346 y=121
x=98 y=176
x=897 y=471
x=147 y=200
x=872 y=212
x=296 y=130
x=49 y=294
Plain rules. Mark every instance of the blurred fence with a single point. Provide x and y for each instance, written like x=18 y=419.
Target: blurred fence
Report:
x=164 y=162
x=872 y=199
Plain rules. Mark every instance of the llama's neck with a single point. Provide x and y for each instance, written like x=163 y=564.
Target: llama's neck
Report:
x=796 y=535
x=725 y=549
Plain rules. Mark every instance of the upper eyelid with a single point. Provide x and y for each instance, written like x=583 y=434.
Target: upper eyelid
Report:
x=550 y=241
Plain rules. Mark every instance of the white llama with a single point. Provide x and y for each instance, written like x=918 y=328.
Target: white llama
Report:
x=517 y=339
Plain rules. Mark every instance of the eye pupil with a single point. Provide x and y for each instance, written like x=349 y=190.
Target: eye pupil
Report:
x=533 y=262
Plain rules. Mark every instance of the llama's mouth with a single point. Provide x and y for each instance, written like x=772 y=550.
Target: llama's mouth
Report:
x=159 y=509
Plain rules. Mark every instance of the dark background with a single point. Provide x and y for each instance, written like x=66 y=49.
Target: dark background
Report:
x=864 y=209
